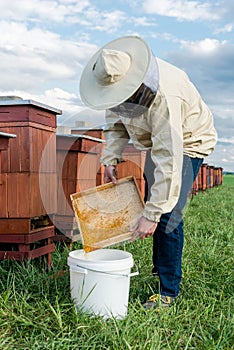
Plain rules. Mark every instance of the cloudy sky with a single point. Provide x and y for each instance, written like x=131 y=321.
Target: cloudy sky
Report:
x=45 y=44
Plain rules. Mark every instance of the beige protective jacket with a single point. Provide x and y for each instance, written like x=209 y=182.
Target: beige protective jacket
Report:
x=177 y=123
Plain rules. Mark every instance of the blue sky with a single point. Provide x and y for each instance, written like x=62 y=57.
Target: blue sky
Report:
x=45 y=44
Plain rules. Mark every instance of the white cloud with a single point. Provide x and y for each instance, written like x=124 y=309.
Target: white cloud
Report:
x=33 y=57
x=105 y=21
x=181 y=9
x=55 y=11
x=81 y=13
x=90 y=116
x=228 y=28
x=205 y=46
x=142 y=21
x=56 y=97
x=226 y=140
x=208 y=62
x=222 y=157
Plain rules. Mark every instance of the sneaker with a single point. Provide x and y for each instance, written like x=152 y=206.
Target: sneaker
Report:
x=157 y=301
x=154 y=271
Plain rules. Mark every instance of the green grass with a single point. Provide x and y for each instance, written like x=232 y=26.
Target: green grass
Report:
x=36 y=311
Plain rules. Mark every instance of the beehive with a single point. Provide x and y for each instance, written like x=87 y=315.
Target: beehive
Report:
x=28 y=191
x=77 y=167
x=133 y=165
x=96 y=133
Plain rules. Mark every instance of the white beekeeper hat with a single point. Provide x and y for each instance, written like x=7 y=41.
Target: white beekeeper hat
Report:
x=115 y=72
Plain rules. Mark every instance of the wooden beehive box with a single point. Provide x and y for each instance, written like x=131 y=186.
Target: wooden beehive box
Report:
x=204 y=176
x=77 y=167
x=133 y=165
x=105 y=213
x=29 y=186
x=95 y=133
x=34 y=125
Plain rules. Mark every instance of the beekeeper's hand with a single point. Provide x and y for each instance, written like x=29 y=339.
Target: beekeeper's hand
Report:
x=110 y=174
x=143 y=228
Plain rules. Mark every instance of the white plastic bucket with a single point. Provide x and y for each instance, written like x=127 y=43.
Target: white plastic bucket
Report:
x=100 y=281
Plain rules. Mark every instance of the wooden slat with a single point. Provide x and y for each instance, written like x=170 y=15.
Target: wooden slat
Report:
x=204 y=176
x=4 y=143
x=87 y=166
x=12 y=158
x=43 y=194
x=8 y=124
x=98 y=133
x=28 y=113
x=28 y=195
x=39 y=234
x=21 y=245
x=11 y=255
x=83 y=185
x=14 y=226
x=45 y=150
x=78 y=143
x=40 y=116
x=0 y=172
x=66 y=143
x=3 y=195
x=211 y=176
x=27 y=236
x=133 y=165
x=76 y=171
x=32 y=150
x=36 y=253
x=91 y=146
x=199 y=179
x=65 y=188
x=69 y=165
x=195 y=186
x=18 y=190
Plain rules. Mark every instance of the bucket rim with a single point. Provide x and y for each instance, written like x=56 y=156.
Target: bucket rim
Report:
x=103 y=264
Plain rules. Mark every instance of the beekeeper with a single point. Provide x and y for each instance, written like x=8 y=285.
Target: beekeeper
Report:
x=154 y=104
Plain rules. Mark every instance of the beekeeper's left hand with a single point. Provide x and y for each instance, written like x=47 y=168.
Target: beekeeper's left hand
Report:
x=110 y=174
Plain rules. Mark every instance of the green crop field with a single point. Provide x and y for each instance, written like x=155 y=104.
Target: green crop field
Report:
x=36 y=311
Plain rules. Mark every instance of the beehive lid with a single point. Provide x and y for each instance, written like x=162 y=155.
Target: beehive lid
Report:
x=105 y=213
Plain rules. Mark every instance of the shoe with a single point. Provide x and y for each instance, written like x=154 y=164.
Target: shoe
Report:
x=154 y=271
x=158 y=301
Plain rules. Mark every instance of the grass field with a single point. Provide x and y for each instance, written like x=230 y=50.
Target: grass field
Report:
x=36 y=311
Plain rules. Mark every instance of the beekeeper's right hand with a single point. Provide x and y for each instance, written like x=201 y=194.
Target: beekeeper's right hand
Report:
x=110 y=174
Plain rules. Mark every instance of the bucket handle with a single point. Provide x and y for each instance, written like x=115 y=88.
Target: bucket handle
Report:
x=80 y=269
x=136 y=273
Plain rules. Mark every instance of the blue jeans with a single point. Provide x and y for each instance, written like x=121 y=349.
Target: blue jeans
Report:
x=168 y=238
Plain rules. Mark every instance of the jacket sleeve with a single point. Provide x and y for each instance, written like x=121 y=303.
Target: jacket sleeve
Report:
x=116 y=137
x=167 y=156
